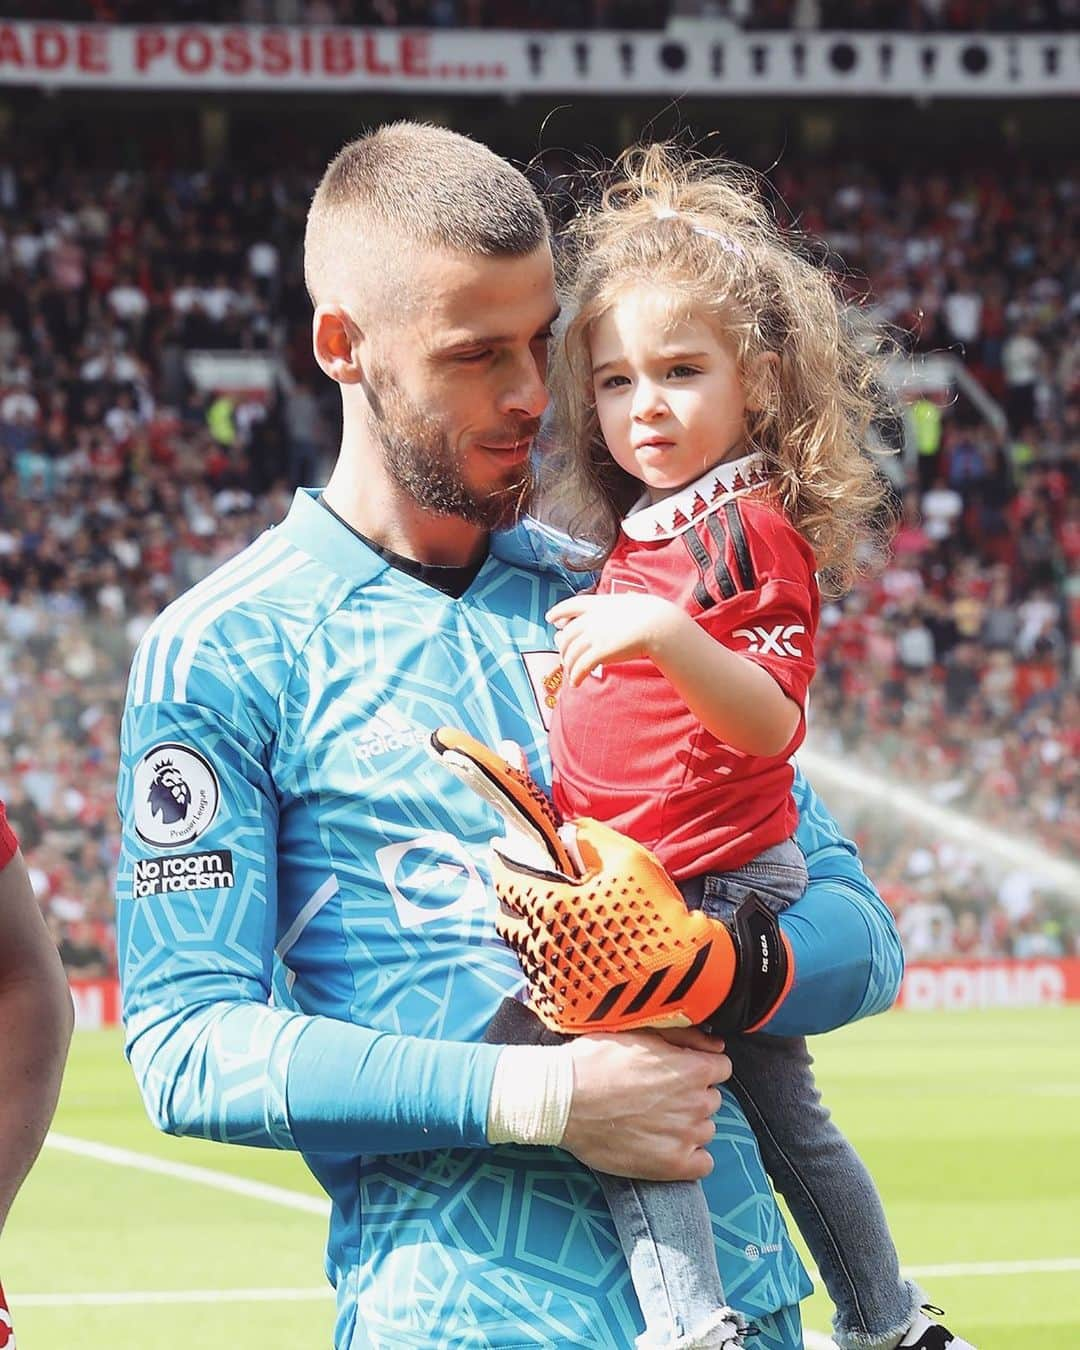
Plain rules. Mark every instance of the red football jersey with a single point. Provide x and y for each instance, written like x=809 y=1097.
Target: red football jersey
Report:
x=625 y=748
x=8 y=842
x=7 y=1332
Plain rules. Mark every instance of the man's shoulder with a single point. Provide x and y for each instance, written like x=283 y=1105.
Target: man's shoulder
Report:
x=263 y=579
x=538 y=547
x=248 y=617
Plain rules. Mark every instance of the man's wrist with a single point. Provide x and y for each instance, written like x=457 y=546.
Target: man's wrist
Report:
x=765 y=968
x=531 y=1095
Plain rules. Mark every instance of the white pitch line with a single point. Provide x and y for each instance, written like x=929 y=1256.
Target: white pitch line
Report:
x=815 y=1340
x=278 y=1195
x=173 y=1296
x=202 y=1176
x=1049 y=1266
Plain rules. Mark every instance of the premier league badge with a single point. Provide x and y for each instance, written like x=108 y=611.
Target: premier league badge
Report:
x=176 y=796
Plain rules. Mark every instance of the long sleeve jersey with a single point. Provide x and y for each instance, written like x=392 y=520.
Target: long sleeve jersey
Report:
x=9 y=844
x=307 y=952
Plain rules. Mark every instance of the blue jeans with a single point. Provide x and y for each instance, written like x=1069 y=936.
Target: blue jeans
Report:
x=665 y=1228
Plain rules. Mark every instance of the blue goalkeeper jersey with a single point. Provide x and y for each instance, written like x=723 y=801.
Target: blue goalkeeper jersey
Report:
x=308 y=958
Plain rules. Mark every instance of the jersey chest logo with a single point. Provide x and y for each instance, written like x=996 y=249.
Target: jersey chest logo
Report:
x=430 y=877
x=387 y=731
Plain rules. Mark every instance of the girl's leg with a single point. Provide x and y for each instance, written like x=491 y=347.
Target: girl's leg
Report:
x=665 y=1231
x=829 y=1191
x=667 y=1235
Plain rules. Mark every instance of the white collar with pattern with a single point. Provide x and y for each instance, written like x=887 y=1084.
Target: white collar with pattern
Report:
x=665 y=519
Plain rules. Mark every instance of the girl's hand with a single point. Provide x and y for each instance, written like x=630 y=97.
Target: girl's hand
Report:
x=594 y=629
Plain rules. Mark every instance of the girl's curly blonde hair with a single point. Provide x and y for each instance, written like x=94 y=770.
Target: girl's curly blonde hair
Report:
x=700 y=231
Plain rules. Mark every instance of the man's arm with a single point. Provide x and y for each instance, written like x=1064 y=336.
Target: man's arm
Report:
x=846 y=963
x=847 y=955
x=214 y=1059
x=36 y=1019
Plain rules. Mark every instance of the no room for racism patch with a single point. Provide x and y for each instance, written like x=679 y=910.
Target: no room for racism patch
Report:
x=183 y=872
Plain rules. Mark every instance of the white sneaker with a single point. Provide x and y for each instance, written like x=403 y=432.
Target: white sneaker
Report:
x=923 y=1334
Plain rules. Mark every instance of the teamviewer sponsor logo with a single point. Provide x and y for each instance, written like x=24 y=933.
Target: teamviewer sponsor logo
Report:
x=212 y=871
x=386 y=731
x=430 y=878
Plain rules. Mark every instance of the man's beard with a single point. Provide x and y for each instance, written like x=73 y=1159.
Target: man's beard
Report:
x=422 y=462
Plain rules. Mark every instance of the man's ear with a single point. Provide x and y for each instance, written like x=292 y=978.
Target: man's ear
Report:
x=763 y=382
x=338 y=344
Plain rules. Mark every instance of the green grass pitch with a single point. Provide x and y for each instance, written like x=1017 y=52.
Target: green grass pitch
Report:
x=970 y=1123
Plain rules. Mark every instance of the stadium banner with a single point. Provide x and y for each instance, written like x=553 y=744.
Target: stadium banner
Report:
x=97 y=1003
x=956 y=986
x=689 y=58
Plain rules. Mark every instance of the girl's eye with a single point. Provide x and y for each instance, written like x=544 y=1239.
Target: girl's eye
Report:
x=683 y=372
x=614 y=382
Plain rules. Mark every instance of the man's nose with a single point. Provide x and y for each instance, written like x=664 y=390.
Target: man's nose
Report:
x=527 y=392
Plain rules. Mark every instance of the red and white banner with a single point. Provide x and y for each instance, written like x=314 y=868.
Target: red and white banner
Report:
x=689 y=58
x=954 y=986
x=97 y=1003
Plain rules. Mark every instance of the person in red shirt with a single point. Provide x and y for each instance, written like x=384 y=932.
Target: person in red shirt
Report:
x=714 y=413
x=36 y=1019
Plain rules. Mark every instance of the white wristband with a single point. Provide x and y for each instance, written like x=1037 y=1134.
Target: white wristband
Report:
x=530 y=1095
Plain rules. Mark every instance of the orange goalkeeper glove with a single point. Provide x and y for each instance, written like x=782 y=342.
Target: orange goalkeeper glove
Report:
x=604 y=938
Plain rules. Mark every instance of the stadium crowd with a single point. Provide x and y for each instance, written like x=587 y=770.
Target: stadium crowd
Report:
x=919 y=16
x=853 y=15
x=525 y=14
x=125 y=477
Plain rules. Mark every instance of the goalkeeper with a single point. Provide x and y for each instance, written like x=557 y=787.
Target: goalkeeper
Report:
x=285 y=832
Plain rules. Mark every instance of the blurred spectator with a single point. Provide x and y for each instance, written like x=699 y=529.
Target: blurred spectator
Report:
x=926 y=421
x=371 y=13
x=1021 y=360
x=941 y=508
x=917 y=15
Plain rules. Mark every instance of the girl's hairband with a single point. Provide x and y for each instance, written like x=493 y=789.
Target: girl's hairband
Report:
x=727 y=244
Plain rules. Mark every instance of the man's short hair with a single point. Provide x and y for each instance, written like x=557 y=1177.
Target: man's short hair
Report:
x=409 y=184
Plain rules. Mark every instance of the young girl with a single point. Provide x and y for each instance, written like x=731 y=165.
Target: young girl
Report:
x=714 y=407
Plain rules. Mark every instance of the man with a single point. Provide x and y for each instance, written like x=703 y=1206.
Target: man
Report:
x=36 y=1018
x=285 y=704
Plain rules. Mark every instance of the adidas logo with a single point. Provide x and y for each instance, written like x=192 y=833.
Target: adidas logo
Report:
x=387 y=731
